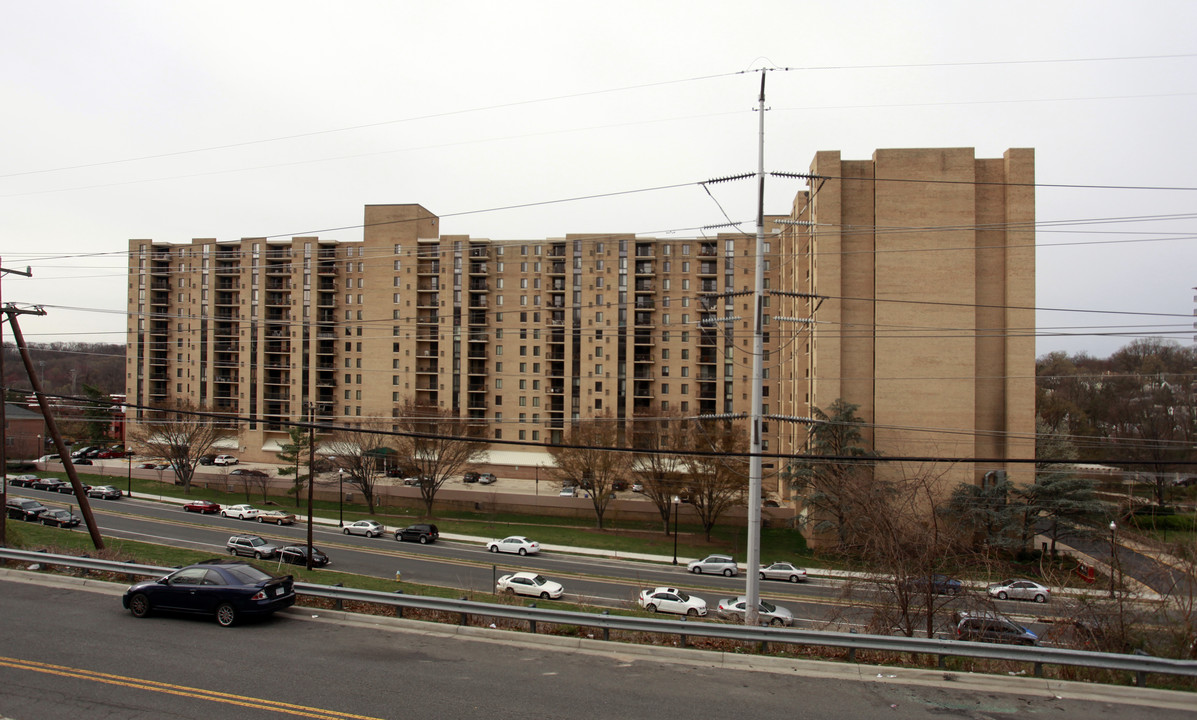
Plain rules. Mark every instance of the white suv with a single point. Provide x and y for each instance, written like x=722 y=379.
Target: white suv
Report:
x=714 y=564
x=224 y=460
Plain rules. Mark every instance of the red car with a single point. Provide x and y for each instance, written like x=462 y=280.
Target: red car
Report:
x=202 y=506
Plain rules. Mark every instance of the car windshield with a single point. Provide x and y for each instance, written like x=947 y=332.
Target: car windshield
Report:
x=683 y=596
x=768 y=606
x=248 y=574
x=257 y=541
x=539 y=580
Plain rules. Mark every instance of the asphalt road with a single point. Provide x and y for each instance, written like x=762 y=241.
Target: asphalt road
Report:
x=467 y=566
x=66 y=654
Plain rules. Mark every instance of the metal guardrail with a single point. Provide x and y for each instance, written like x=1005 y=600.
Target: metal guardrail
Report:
x=1141 y=665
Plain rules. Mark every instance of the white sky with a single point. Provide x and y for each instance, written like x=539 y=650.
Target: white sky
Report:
x=112 y=111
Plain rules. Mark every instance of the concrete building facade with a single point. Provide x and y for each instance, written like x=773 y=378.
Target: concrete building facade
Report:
x=924 y=260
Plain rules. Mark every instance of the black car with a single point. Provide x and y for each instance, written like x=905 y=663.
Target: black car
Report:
x=66 y=487
x=207 y=459
x=470 y=477
x=82 y=461
x=49 y=484
x=23 y=480
x=988 y=628
x=940 y=585
x=59 y=517
x=19 y=508
x=422 y=533
x=228 y=589
x=298 y=555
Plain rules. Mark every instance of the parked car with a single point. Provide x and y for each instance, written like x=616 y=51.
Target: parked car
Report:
x=82 y=452
x=49 y=484
x=1020 y=590
x=204 y=460
x=53 y=457
x=105 y=492
x=424 y=480
x=202 y=506
x=531 y=584
x=767 y=612
x=278 y=517
x=250 y=546
x=939 y=584
x=154 y=465
x=783 y=571
x=82 y=461
x=672 y=600
x=993 y=628
x=19 y=508
x=248 y=472
x=23 y=480
x=69 y=489
x=570 y=491
x=619 y=485
x=241 y=512
x=487 y=479
x=637 y=487
x=514 y=544
x=228 y=589
x=422 y=533
x=58 y=517
x=298 y=555
x=369 y=528
x=224 y=460
x=470 y=477
x=724 y=564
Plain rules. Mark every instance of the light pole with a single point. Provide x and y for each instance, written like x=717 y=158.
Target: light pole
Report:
x=1113 y=555
x=340 y=497
x=677 y=505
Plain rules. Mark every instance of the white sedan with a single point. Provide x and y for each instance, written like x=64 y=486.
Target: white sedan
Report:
x=672 y=600
x=514 y=544
x=369 y=528
x=1020 y=590
x=241 y=512
x=783 y=571
x=526 y=583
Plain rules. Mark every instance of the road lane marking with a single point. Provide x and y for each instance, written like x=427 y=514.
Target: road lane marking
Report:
x=180 y=690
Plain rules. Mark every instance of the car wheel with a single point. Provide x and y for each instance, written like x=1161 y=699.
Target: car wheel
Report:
x=776 y=622
x=423 y=540
x=544 y=596
x=226 y=615
x=692 y=612
x=139 y=605
x=762 y=576
x=728 y=572
x=493 y=548
x=696 y=570
x=232 y=551
x=223 y=514
x=346 y=531
x=523 y=551
x=1040 y=598
x=257 y=555
x=650 y=607
x=1002 y=595
x=510 y=591
x=260 y=519
x=794 y=578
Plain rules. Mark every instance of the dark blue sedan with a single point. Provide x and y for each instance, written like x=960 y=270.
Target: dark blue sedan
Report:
x=228 y=589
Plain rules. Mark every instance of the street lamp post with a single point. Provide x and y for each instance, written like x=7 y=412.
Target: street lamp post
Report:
x=677 y=505
x=1113 y=554
x=340 y=497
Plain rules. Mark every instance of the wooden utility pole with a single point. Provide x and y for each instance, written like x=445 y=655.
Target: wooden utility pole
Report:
x=63 y=451
x=4 y=420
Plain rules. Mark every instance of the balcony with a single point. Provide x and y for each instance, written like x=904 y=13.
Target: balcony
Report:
x=645 y=286
x=478 y=268
x=428 y=267
x=708 y=286
x=557 y=268
x=326 y=348
x=644 y=268
x=644 y=251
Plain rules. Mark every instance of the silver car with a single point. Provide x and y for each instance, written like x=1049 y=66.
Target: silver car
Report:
x=1020 y=590
x=369 y=528
x=783 y=571
x=767 y=612
x=717 y=564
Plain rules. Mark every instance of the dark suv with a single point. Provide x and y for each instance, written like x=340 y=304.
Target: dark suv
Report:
x=989 y=628
x=19 y=508
x=418 y=533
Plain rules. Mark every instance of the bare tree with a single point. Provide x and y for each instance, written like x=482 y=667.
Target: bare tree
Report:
x=296 y=452
x=716 y=482
x=439 y=444
x=659 y=467
x=585 y=460
x=180 y=436
x=357 y=449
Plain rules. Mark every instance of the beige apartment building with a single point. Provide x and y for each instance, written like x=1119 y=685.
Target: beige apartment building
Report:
x=921 y=261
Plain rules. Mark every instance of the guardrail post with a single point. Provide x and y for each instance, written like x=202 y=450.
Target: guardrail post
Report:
x=399 y=608
x=606 y=630
x=942 y=661
x=685 y=639
x=1141 y=679
x=1038 y=669
x=465 y=617
x=532 y=623
x=851 y=655
x=338 y=604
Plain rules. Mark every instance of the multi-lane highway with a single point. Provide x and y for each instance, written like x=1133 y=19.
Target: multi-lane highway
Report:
x=468 y=566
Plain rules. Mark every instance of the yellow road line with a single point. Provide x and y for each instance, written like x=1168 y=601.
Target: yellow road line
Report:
x=180 y=690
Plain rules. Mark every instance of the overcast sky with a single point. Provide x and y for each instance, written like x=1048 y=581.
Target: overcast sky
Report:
x=174 y=120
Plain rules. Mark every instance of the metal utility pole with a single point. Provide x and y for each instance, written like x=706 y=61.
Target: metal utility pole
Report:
x=63 y=451
x=311 y=408
x=755 y=471
x=4 y=418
